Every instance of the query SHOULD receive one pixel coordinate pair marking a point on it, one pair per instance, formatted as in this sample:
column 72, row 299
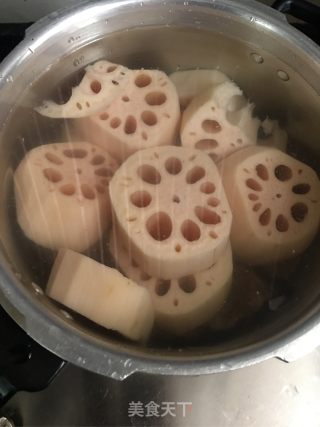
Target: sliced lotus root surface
column 102, row 83
column 190, row 83
column 219, row 121
column 171, row 210
column 146, row 115
column 62, row 194
column 275, row 203
column 271, row 134
column 183, row 304
column 101, row 294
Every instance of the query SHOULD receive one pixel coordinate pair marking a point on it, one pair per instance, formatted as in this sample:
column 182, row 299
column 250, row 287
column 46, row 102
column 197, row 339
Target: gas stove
column 39, row 389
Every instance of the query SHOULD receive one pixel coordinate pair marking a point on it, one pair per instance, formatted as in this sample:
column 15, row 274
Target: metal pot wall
column 277, row 67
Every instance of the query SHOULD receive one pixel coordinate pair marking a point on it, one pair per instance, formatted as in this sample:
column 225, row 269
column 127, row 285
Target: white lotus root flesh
column 101, row 294
column 183, row 304
column 190, row 83
column 275, row 203
column 273, row 135
column 62, row 194
column 171, row 211
column 219, row 121
column 147, row 114
column 102, row 83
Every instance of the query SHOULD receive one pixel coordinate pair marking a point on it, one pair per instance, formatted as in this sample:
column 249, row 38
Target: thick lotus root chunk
column 275, row 203
column 146, row 114
column 191, row 83
column 171, row 211
column 101, row 294
column 62, row 194
column 219, row 121
column 181, row 305
column 101, row 84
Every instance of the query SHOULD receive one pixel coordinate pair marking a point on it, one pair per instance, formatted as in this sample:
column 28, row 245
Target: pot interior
column 274, row 73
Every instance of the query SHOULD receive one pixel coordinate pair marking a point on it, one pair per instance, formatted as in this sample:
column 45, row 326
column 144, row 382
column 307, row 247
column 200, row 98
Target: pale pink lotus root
column 275, row 201
column 62, row 194
column 146, row 114
column 170, row 210
column 183, row 304
column 219, row 121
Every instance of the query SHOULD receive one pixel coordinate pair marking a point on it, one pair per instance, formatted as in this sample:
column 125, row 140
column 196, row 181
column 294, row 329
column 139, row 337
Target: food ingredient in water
column 170, row 211
column 190, row 83
column 219, row 121
column 62, row 194
column 146, row 114
column 102, row 294
column 102, row 83
column 275, row 200
column 183, row 304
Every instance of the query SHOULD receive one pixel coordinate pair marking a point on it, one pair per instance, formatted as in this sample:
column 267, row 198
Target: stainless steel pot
column 279, row 70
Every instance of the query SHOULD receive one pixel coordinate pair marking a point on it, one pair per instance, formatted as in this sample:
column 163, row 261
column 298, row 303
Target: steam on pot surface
column 165, row 193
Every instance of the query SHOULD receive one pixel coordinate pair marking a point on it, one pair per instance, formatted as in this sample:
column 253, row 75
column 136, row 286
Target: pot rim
column 73, row 345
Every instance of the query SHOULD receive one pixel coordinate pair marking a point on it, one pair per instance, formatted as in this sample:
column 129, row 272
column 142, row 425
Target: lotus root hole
column 68, row 189
column 282, row 224
column 207, row 216
column 253, row 197
column 87, row 192
column 100, row 188
column 115, row 122
column 142, row 80
column 211, row 126
column 88, row 104
column 190, row 230
column 176, row 303
column 159, row 226
column 283, row 173
column 75, row 153
column 125, row 98
column 262, row 172
column 105, row 172
column 141, row 199
column 173, row 166
column 265, row 217
column 97, row 160
column 208, row 188
column 79, row 106
column 104, row 116
column 257, row 207
column 149, row 174
column 195, row 174
column 213, row 202
column 115, row 82
column 149, row 118
column 301, row 189
column 52, row 175
column 187, row 284
column 214, row 157
column 253, row 184
column 53, row 158
column 155, row 98
column 144, row 276
column 130, row 125
column 162, row 287
column 299, row 211
column 176, row 199
column 206, row 144
column 177, row 248
column 95, row 86
column 111, row 68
